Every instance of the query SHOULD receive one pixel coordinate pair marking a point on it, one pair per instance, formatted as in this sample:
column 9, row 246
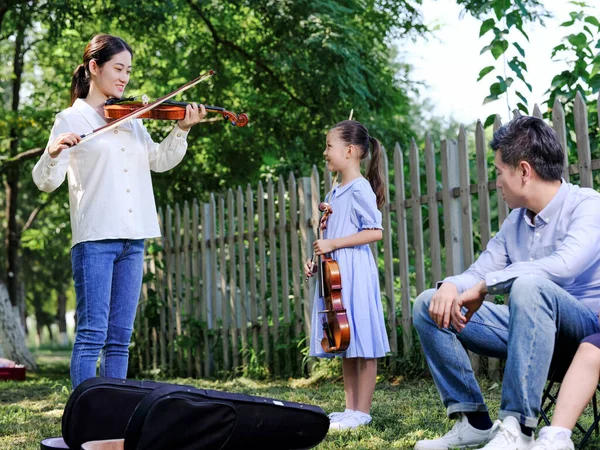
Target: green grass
column 403, row 411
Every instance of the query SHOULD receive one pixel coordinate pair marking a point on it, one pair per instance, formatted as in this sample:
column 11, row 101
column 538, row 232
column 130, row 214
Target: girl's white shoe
column 350, row 421
column 554, row 438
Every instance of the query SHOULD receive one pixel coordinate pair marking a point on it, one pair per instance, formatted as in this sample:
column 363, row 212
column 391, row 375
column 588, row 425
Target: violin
column 167, row 110
column 336, row 328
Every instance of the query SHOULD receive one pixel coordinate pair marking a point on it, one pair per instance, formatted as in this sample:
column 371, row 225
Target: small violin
column 336, row 328
column 168, row 110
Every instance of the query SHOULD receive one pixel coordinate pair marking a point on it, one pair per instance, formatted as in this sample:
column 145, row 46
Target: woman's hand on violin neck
column 322, row 246
column 62, row 142
column 193, row 115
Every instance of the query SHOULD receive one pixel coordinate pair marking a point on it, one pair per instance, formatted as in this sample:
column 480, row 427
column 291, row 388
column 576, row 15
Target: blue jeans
column 108, row 280
column 540, row 318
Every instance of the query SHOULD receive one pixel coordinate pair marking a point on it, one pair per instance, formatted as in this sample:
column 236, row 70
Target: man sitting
column 546, row 257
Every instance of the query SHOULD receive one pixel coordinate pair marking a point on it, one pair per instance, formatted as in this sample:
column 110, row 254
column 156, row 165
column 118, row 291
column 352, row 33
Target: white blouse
column 110, row 187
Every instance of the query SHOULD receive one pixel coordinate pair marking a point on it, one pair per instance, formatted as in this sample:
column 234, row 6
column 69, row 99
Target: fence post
column 417, row 215
column 196, row 269
column 583, row 142
column 262, row 261
column 502, row 206
column 484, row 216
column 307, row 238
column 214, row 297
column 224, row 311
column 389, row 258
column 455, row 261
column 187, row 274
column 432, row 204
column 558, row 122
column 273, row 272
column 243, row 299
column 403, row 250
column 297, row 264
column 252, row 267
column 465, row 198
column 233, row 297
column 206, row 305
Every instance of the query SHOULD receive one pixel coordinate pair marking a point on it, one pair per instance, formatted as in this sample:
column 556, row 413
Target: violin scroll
column 240, row 120
column 326, row 209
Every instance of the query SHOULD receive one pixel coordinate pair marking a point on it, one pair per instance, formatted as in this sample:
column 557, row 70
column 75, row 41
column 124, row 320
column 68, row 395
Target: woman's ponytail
column 374, row 173
column 80, row 83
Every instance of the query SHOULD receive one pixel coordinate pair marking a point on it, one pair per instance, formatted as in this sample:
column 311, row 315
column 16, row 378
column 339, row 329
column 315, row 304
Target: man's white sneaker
column 552, row 438
column 506, row 435
column 350, row 421
column 462, row 435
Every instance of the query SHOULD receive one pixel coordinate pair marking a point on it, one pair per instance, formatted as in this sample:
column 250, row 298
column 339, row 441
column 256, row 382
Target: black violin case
column 162, row 416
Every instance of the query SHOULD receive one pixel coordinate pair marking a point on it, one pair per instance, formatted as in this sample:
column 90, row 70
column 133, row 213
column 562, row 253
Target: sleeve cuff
column 371, row 226
column 49, row 162
column 496, row 284
column 178, row 133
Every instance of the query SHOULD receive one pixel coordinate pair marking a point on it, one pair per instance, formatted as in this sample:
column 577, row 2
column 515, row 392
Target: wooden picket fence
column 224, row 288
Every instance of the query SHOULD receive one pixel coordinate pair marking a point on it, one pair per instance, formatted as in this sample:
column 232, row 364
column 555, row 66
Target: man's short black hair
column 527, row 138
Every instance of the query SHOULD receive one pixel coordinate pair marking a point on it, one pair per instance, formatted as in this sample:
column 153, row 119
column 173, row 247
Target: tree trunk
column 12, row 175
column 63, row 338
column 12, row 338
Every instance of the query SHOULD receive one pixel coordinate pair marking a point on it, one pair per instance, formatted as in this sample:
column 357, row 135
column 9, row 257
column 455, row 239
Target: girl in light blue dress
column 354, row 223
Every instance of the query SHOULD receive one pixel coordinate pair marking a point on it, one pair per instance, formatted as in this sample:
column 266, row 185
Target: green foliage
column 296, row 68
column 507, row 16
column 579, row 48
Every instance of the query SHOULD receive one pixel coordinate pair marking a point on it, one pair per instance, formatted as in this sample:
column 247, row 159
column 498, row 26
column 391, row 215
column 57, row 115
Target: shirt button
column 125, row 170
column 128, row 190
column 123, row 149
column 130, row 210
column 116, row 131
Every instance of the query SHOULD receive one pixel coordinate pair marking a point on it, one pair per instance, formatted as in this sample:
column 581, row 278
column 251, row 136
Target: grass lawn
column 403, row 411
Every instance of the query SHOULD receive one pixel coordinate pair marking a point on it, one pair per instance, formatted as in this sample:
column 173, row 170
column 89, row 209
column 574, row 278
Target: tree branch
column 218, row 39
column 19, row 158
column 35, row 212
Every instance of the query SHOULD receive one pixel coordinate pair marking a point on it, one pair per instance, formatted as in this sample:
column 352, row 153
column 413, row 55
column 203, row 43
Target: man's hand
column 441, row 304
column 471, row 299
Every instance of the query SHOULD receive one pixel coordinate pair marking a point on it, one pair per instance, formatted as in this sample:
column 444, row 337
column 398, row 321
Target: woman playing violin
column 111, row 203
column 354, row 223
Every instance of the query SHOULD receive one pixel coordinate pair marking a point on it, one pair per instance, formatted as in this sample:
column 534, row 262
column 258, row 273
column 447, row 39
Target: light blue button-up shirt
column 561, row 243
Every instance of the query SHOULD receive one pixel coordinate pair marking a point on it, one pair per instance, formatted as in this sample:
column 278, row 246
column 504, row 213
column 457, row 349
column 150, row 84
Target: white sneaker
column 351, row 421
column 549, row 440
column 507, row 436
column 336, row 416
column 462, row 435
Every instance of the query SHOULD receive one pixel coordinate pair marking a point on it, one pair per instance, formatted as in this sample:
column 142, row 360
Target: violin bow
column 135, row 114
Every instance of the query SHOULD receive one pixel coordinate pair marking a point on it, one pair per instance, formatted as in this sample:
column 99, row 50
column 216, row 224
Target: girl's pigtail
column 374, row 174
